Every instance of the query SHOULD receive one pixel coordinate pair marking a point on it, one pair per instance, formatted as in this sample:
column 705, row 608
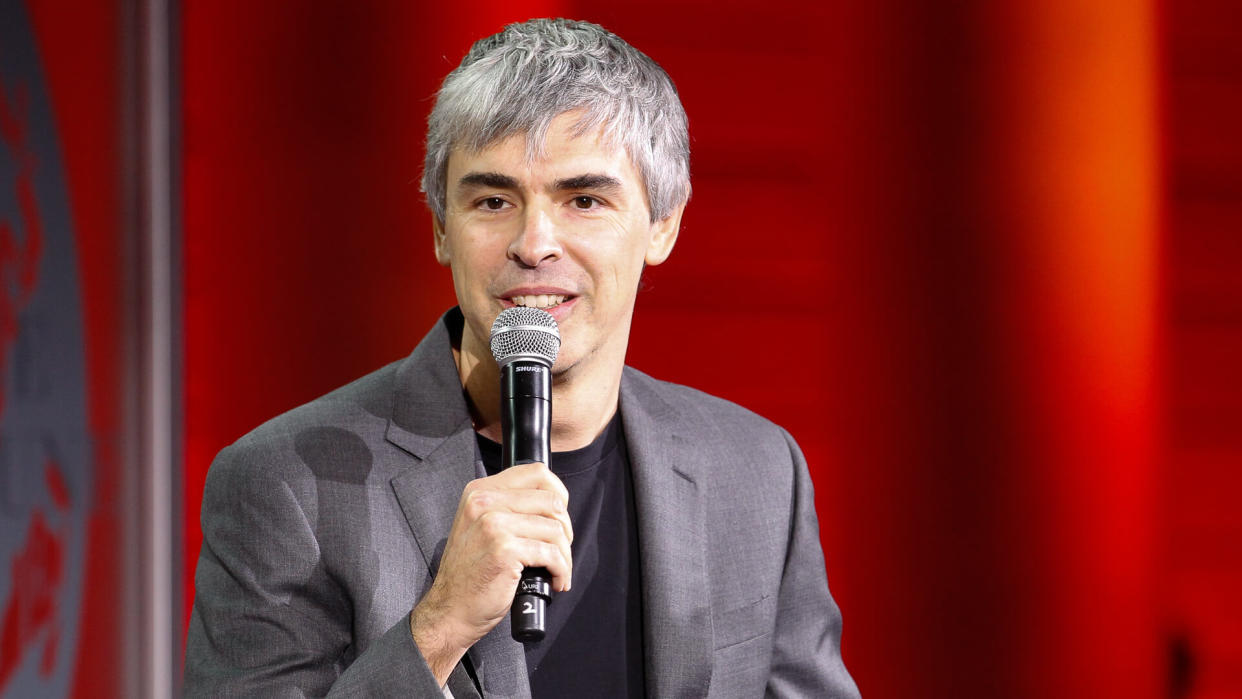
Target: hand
column 504, row 523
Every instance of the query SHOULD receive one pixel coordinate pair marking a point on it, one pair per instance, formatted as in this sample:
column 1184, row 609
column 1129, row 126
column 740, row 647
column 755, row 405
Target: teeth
column 538, row 300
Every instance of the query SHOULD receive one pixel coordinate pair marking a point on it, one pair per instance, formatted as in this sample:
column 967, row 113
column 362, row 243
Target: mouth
column 541, row 301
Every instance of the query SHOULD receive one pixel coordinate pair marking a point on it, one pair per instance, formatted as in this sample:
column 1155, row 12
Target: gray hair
column 520, row 79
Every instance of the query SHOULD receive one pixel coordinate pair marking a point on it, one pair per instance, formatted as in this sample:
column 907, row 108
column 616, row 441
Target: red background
column 988, row 254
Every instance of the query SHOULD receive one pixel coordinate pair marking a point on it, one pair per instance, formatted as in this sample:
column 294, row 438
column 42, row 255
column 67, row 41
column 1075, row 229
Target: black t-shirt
column 594, row 641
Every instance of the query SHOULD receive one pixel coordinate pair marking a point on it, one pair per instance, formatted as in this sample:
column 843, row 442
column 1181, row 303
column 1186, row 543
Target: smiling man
column 562, row 225
column 367, row 544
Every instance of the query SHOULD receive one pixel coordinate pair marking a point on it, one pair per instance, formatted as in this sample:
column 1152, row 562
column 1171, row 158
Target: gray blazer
column 323, row 527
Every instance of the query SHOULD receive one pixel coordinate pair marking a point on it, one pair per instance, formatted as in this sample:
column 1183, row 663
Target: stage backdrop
column 937, row 227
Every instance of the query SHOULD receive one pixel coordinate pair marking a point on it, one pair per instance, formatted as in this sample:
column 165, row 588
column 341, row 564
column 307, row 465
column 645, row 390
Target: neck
column 580, row 409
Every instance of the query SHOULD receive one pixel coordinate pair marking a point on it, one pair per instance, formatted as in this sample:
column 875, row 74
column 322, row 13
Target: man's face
column 569, row 233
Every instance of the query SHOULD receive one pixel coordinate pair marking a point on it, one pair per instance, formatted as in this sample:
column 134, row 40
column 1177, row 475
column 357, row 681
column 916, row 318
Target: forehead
column 562, row 153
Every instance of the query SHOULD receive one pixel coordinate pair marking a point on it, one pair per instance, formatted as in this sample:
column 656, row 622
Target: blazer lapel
column 430, row 420
column 672, row 542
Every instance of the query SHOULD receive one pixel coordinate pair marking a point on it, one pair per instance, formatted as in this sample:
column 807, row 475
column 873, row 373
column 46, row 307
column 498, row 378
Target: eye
column 492, row 203
column 585, row 202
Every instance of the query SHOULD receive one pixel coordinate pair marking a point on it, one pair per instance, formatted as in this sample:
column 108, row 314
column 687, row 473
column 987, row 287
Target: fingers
column 520, row 514
column 539, row 503
column 534, row 476
column 527, row 489
column 529, row 541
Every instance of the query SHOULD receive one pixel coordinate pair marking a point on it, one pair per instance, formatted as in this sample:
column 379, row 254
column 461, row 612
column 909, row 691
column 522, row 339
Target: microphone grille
column 525, row 333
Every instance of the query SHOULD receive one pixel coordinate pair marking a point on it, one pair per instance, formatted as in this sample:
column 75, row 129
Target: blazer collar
column 672, row 540
column 431, row 421
column 428, row 403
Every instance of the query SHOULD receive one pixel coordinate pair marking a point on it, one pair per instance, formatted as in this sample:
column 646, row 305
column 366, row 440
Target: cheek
column 472, row 263
column 617, row 251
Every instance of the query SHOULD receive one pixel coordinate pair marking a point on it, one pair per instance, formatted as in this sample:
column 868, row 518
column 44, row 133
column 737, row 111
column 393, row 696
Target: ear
column 664, row 236
column 442, row 251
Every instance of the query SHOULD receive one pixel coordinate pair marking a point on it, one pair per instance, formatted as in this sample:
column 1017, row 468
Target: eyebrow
column 496, row 180
column 589, row 181
column 488, row 179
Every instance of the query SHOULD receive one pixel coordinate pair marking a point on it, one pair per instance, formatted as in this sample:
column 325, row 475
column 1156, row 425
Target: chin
column 564, row 367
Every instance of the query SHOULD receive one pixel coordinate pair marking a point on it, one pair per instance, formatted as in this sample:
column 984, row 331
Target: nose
column 537, row 242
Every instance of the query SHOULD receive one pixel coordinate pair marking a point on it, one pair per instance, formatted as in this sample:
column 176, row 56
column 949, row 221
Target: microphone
column 525, row 342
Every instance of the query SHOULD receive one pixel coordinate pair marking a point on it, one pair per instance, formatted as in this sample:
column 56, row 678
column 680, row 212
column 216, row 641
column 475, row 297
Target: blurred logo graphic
column 44, row 466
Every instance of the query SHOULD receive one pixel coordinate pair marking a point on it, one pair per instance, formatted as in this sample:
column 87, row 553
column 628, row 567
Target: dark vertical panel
column 1202, row 569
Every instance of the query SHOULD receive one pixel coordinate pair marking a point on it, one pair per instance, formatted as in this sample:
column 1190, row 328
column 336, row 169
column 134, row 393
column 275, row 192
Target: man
column 367, row 543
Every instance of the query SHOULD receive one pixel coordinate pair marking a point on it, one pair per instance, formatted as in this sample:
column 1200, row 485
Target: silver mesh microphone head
column 525, row 333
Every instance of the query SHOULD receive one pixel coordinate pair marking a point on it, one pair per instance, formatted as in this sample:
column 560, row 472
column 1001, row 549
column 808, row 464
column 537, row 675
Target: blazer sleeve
column 806, row 648
column 268, row 619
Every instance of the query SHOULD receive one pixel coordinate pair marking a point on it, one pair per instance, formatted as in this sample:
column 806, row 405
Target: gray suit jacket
column 323, row 527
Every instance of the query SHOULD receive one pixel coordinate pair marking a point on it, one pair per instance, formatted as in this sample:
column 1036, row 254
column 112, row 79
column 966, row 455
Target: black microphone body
column 525, row 342
column 526, row 424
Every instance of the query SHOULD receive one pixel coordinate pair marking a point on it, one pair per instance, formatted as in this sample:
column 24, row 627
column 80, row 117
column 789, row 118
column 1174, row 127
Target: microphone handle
column 526, row 424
